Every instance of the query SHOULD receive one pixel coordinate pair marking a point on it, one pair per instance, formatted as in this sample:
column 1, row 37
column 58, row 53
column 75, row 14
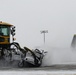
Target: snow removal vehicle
column 29, row 58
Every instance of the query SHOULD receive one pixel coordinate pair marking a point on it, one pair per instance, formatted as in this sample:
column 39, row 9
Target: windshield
column 4, row 31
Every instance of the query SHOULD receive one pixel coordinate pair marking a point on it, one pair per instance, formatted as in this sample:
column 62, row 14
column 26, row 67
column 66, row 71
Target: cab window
column 4, row 31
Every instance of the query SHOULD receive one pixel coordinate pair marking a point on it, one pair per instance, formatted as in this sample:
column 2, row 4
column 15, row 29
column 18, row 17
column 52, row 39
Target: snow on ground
column 38, row 72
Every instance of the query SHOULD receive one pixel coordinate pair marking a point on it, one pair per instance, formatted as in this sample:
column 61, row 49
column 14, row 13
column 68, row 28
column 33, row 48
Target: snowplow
column 28, row 57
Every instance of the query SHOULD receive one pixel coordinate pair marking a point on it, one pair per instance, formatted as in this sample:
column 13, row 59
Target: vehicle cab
column 5, row 30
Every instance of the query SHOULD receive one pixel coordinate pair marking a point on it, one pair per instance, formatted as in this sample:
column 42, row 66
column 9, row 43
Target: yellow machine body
column 5, row 29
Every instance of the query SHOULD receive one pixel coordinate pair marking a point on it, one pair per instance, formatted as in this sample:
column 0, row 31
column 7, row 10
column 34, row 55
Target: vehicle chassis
column 16, row 47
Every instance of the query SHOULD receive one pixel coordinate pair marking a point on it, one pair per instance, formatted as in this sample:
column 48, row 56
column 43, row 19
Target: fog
column 32, row 16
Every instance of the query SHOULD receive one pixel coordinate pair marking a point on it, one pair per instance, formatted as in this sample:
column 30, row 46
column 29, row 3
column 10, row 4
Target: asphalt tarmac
column 41, row 68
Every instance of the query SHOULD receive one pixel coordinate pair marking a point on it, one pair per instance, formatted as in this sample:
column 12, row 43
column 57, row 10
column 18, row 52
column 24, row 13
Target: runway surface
column 42, row 68
column 13, row 65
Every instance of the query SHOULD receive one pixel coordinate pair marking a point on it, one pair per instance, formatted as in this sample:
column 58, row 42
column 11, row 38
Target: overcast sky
column 32, row 16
